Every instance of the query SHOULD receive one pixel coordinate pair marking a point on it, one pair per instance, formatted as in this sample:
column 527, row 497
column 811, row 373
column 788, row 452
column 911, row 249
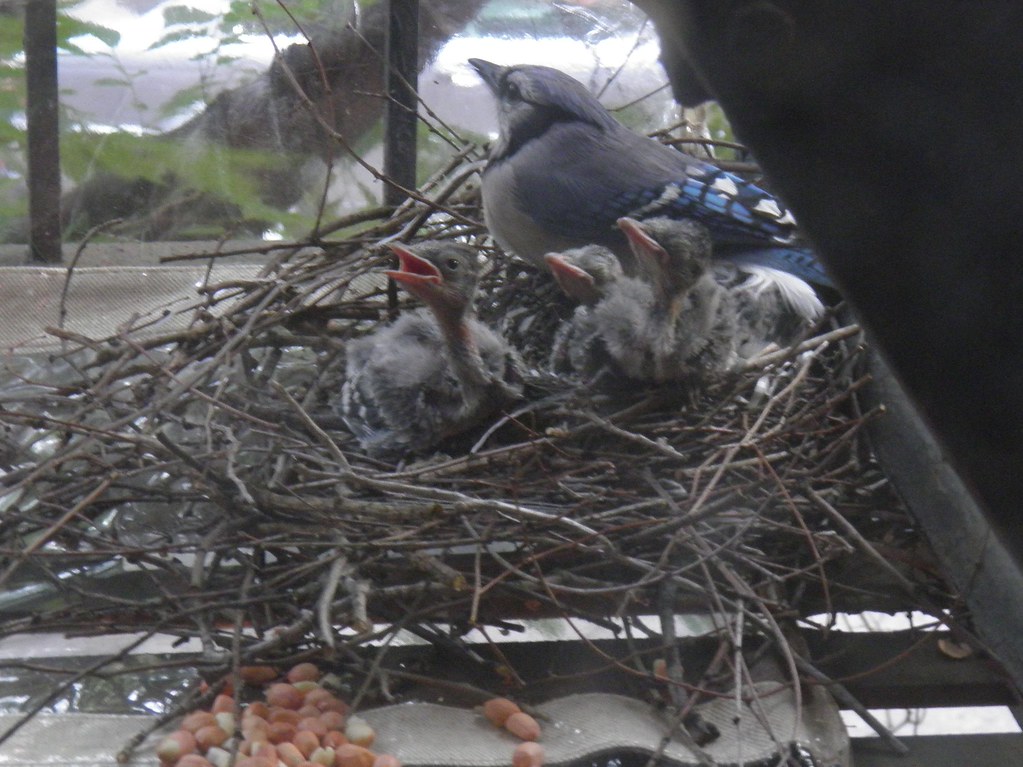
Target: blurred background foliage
column 165, row 129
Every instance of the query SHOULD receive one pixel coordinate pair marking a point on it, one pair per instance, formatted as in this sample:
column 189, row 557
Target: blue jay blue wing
column 600, row 176
column 734, row 210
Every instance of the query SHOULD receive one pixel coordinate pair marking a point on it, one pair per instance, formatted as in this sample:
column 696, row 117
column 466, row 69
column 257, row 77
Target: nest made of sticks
column 207, row 470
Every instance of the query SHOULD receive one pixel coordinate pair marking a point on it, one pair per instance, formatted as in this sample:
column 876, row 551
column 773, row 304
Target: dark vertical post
column 402, row 74
column 43, row 141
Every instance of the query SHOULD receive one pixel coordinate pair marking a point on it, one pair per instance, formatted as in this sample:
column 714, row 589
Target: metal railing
column 44, row 184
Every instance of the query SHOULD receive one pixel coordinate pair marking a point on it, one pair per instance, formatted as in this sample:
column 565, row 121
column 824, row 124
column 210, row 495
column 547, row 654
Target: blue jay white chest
column 510, row 223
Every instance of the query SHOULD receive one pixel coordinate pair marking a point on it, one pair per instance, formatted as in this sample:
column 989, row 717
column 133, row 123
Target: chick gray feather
column 435, row 372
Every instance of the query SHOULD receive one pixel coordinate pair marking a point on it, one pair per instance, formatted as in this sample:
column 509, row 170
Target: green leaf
column 12, row 36
column 68, row 27
column 13, row 205
column 182, row 100
column 177, row 36
column 116, row 81
column 72, row 48
column 12, row 86
column 231, row 174
column 184, row 14
column 8, row 133
column 240, row 14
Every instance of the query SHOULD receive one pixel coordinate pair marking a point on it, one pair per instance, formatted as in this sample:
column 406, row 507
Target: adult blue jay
column 563, row 171
column 435, row 372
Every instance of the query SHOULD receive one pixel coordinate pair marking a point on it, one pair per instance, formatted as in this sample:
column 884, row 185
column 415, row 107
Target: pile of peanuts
column 505, row 713
column 301, row 723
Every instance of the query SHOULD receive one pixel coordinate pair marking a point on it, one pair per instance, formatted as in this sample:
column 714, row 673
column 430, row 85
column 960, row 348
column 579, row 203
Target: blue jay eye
column 513, row 92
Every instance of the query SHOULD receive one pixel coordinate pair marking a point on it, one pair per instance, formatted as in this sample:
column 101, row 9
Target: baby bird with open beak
column 685, row 317
column 435, row 372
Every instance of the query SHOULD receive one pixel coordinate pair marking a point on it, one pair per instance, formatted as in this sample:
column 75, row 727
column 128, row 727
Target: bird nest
column 200, row 483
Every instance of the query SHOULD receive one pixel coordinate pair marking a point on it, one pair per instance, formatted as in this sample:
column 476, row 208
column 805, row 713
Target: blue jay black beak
column 491, row 73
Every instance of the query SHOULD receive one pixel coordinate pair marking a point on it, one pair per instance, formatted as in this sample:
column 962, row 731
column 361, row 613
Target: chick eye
column 452, row 264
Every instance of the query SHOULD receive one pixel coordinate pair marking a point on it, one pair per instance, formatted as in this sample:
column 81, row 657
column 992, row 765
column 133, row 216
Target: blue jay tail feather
column 800, row 262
